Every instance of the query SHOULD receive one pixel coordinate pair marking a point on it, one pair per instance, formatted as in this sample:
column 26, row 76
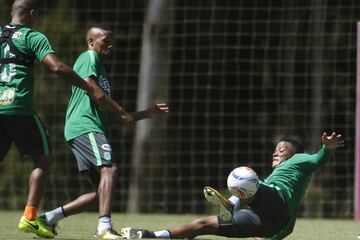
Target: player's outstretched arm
column 90, row 86
column 66, row 73
column 333, row 141
column 156, row 110
column 320, row 158
column 107, row 102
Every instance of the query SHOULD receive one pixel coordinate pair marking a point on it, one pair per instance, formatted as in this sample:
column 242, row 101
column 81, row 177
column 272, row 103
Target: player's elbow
column 100, row 98
column 59, row 68
column 55, row 65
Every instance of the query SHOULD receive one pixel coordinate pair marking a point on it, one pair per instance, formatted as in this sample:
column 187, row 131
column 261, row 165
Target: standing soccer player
column 19, row 122
column 271, row 212
column 85, row 130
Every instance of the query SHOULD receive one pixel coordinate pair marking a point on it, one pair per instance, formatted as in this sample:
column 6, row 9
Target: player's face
column 283, row 151
column 103, row 45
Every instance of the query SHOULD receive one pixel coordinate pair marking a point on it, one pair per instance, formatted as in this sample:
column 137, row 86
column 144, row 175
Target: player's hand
column 126, row 118
column 333, row 141
column 158, row 110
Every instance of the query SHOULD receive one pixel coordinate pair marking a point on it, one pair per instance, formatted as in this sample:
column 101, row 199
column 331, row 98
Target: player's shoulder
column 19, row 31
column 300, row 156
column 87, row 58
column 93, row 55
column 30, row 35
column 34, row 33
column 90, row 56
column 299, row 159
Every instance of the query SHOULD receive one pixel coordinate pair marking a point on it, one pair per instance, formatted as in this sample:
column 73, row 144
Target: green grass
column 83, row 226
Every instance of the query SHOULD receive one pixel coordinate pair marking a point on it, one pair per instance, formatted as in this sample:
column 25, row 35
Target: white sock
column 104, row 224
column 235, row 200
column 162, row 234
column 52, row 217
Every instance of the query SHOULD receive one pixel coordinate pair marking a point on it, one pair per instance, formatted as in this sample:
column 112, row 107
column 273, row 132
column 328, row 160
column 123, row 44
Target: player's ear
column 90, row 42
column 31, row 12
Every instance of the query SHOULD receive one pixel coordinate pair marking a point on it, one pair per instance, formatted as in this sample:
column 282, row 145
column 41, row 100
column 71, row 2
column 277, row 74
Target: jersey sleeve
column 39, row 44
column 86, row 65
column 318, row 159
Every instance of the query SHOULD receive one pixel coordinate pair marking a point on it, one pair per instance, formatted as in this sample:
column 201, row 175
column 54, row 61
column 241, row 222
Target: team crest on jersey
column 104, row 84
column 106, row 147
column 107, row 156
column 16, row 35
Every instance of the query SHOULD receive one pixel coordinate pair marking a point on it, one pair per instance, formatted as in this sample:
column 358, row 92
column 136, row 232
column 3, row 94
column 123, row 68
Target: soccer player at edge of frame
column 85, row 129
column 20, row 45
column 271, row 212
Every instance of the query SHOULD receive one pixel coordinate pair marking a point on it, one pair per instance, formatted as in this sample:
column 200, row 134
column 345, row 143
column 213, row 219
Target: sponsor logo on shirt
column 7, row 96
column 16, row 35
column 104, row 84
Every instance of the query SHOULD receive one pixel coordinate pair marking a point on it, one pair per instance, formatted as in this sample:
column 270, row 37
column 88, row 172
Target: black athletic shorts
column 27, row 132
column 266, row 216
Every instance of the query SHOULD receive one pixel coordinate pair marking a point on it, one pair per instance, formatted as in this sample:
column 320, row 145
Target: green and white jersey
column 17, row 81
column 82, row 115
column 292, row 178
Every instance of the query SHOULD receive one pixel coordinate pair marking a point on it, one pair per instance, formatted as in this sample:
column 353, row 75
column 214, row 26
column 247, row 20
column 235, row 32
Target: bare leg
column 202, row 226
column 106, row 188
column 38, row 179
column 80, row 204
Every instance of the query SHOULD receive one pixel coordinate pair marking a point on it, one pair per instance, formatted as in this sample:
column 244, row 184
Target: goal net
column 238, row 75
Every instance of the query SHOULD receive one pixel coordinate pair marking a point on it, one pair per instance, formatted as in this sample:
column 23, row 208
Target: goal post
column 357, row 132
column 153, row 84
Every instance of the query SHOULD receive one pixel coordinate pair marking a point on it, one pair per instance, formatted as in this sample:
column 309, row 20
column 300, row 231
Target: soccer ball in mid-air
column 243, row 182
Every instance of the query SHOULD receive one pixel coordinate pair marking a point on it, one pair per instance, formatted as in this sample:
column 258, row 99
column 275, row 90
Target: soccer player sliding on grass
column 271, row 212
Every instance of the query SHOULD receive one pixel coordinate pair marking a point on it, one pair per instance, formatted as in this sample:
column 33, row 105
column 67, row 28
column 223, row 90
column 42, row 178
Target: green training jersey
column 292, row 178
column 82, row 115
column 17, row 81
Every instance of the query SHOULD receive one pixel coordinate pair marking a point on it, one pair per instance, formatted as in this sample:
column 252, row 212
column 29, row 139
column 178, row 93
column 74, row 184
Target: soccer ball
column 243, row 182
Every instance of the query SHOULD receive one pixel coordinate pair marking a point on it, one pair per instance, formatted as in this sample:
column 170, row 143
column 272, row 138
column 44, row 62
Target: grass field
column 83, row 226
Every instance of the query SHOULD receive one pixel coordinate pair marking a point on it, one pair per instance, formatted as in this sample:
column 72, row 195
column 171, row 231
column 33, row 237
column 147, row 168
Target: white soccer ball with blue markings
column 243, row 182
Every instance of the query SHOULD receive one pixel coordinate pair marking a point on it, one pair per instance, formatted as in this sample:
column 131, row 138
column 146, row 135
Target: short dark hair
column 103, row 28
column 106, row 28
column 22, row 6
column 296, row 142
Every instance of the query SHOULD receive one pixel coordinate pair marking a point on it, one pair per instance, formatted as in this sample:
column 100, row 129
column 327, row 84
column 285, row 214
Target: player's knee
column 42, row 162
column 207, row 225
column 92, row 177
column 109, row 171
column 200, row 223
column 114, row 170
